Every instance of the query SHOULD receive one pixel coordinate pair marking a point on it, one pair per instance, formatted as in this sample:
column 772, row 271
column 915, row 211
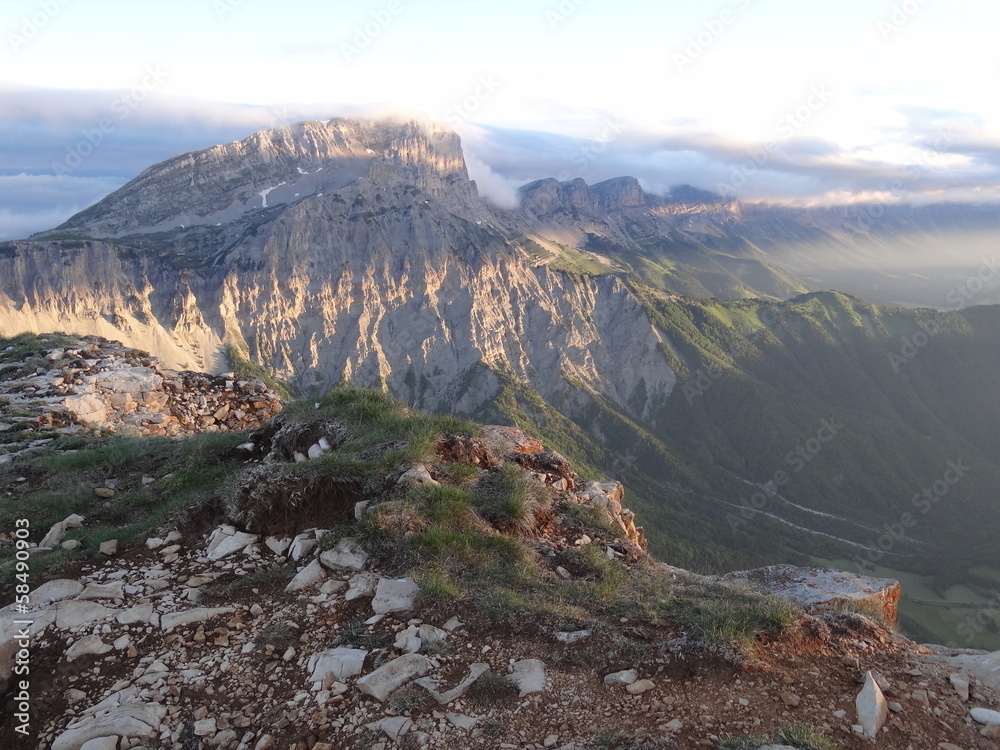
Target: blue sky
column 804, row 101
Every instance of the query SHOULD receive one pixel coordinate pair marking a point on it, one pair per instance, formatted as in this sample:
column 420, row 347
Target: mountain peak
column 279, row 166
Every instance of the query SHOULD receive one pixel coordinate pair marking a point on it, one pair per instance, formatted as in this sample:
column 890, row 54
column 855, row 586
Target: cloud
column 928, row 155
column 494, row 188
column 32, row 203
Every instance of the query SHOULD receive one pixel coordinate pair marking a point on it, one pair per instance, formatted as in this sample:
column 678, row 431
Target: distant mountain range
column 686, row 344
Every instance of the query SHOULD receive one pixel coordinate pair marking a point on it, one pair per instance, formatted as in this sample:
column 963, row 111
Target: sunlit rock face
column 336, row 250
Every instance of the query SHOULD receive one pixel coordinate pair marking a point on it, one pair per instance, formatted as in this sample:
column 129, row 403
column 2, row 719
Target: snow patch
column 263, row 193
column 301, row 170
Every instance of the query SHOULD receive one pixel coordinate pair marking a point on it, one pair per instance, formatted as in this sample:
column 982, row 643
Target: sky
column 795, row 101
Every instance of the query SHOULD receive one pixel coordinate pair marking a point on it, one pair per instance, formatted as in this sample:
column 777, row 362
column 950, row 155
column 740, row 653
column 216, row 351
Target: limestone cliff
column 330, row 250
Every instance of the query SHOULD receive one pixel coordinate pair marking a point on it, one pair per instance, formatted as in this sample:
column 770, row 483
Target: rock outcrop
column 96, row 384
column 810, row 587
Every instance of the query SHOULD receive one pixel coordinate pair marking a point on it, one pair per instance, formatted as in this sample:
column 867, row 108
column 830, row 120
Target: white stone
column 205, row 727
column 332, row 586
column 76, row 614
column 278, row 546
column 625, row 677
column 58, row 531
column 985, row 716
column 461, row 721
column 361, row 585
column 640, row 686
column 528, row 675
column 961, row 685
column 87, row 646
column 190, row 616
column 310, row 575
column 114, row 590
column 394, row 595
column 134, row 720
column 139, row 614
column 226, row 544
column 389, row 677
column 101, row 743
column 338, row 663
column 361, row 507
column 347, row 554
column 394, row 727
column 872, row 708
column 315, row 450
column 476, row 670
column 302, row 545
column 54, row 591
column 109, row 547
column 984, row 667
column 572, row 637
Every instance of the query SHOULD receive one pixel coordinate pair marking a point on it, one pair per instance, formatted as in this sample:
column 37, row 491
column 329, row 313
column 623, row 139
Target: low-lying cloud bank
column 61, row 151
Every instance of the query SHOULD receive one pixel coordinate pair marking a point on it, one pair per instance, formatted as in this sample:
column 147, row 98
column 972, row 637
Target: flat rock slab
column 347, row 554
column 76, row 614
column 54, row 591
column 394, row 595
column 140, row 614
column 809, row 587
column 90, row 645
column 114, row 590
column 381, row 683
column 984, row 667
column 528, row 675
column 135, row 720
column 190, row 616
column 337, row 663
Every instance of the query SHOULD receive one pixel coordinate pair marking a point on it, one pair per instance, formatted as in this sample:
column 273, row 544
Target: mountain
column 671, row 342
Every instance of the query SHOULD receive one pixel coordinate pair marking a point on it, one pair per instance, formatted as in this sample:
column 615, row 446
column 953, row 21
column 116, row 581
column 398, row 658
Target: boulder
column 361, row 585
column 809, row 587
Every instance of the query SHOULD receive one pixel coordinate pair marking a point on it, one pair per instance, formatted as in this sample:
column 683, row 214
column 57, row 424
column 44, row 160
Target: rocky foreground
column 339, row 594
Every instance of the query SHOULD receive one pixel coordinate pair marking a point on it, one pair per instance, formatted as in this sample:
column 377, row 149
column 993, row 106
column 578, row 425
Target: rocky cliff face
column 371, row 259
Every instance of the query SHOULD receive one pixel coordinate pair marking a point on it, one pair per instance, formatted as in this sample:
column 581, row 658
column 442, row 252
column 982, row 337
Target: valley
column 688, row 346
